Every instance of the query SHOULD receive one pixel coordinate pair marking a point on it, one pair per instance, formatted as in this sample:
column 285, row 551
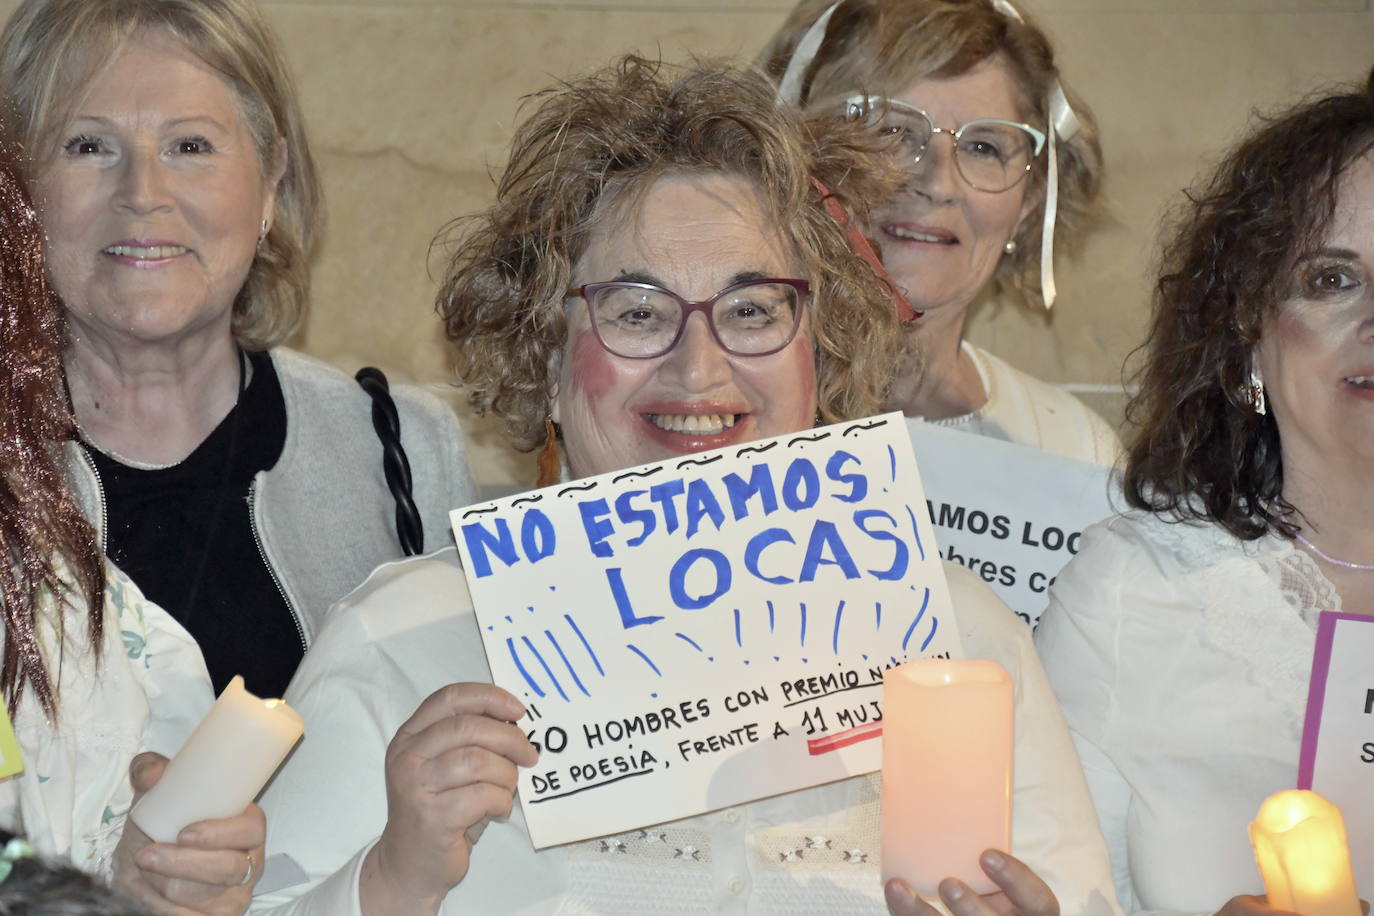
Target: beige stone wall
column 410, row 105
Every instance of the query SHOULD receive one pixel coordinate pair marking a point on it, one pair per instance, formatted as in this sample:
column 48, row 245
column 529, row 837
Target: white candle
column 947, row 745
column 223, row 765
column 1303, row 856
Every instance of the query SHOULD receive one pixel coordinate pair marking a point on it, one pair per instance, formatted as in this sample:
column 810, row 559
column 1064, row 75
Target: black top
column 185, row 534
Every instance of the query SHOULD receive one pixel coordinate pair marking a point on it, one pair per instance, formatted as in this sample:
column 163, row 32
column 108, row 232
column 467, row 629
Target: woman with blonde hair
column 1003, row 169
column 239, row 483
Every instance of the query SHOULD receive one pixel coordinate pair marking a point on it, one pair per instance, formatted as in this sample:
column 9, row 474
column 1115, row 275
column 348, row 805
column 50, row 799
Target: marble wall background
column 411, row 102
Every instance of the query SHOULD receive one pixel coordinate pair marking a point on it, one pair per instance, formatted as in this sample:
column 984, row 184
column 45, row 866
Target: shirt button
column 732, row 816
column 736, row 885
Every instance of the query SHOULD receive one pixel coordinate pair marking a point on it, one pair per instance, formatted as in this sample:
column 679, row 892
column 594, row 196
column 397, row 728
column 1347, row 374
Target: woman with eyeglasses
column 658, row 276
column 970, row 95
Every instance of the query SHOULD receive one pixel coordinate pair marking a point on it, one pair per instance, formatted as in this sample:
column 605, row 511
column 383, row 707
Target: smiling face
column 1316, row 351
column 941, row 239
column 694, row 235
column 153, row 195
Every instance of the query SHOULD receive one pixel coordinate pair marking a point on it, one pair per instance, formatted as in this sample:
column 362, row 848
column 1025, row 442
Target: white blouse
column 1181, row 657
column 148, row 692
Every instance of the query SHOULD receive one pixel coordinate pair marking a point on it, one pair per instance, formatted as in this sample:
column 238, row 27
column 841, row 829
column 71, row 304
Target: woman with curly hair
column 92, row 673
column 1180, row 638
column 659, row 275
column 982, row 209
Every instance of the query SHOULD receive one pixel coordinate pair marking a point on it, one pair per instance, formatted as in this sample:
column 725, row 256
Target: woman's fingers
column 217, row 867
column 463, row 699
column 902, row 900
column 469, row 730
column 1024, row 889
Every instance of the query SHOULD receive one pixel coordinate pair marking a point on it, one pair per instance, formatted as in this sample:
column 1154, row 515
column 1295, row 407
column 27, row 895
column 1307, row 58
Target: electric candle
column 947, row 744
column 1303, row 857
column 223, row 765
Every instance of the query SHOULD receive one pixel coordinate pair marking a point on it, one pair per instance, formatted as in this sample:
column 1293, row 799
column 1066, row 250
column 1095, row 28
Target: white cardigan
column 1181, row 657
column 1023, row 409
column 149, row 692
column 409, row 629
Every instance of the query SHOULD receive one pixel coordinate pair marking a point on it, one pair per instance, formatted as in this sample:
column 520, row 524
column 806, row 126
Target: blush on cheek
column 593, row 369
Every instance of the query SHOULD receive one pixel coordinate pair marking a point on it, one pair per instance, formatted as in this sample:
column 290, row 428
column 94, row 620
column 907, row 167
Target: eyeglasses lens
column 638, row 321
column 991, row 156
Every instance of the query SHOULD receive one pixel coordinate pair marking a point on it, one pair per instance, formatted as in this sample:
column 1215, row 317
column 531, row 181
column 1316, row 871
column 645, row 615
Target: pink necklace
column 1368, row 567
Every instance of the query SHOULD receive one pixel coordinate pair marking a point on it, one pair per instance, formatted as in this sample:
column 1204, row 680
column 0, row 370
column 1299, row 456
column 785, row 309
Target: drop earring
column 550, row 468
column 1010, row 246
column 262, row 235
column 1253, row 393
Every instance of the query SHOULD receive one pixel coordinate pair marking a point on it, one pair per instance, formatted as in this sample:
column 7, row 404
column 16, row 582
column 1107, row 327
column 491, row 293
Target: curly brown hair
column 1232, row 255
column 883, row 47
column 50, row 557
column 591, row 142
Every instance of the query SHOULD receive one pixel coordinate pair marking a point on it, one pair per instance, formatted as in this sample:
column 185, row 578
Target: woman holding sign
column 635, row 199
column 977, row 216
column 1180, row 639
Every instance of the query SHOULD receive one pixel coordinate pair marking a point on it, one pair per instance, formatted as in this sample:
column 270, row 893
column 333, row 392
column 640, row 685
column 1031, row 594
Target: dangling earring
column 1010, row 246
column 550, row 468
column 1253, row 393
column 262, row 236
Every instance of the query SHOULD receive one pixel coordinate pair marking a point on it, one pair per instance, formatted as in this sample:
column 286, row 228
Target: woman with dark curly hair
column 1002, row 168
column 1180, row 638
column 658, row 276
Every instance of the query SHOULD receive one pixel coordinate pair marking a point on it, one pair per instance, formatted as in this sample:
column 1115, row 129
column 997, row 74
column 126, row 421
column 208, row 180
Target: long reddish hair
column 51, row 559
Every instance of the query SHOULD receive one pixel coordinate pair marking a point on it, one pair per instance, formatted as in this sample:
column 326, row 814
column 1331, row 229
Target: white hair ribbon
column 1064, row 125
column 790, row 86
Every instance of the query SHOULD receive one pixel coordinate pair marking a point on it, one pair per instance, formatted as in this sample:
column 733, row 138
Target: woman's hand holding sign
column 450, row 769
column 1022, row 893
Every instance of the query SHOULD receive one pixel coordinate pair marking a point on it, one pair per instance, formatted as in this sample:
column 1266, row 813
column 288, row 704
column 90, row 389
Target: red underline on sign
column 818, row 746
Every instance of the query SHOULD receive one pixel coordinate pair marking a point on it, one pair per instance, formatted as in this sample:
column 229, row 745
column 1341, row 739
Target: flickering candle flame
column 947, row 746
column 1303, row 857
column 223, row 765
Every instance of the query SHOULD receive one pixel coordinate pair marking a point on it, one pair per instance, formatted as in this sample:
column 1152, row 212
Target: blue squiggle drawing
column 690, row 641
column 835, row 638
column 934, row 625
column 567, row 664
column 515, row 657
column 803, row 623
column 877, row 615
column 770, row 615
column 919, row 614
column 737, row 635
column 648, row 661
column 916, row 532
column 892, row 463
column 547, row 670
column 586, row 645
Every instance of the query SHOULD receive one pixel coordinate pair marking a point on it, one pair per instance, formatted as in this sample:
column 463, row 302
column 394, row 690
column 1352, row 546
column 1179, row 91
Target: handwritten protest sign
column 1337, row 758
column 709, row 630
column 1011, row 513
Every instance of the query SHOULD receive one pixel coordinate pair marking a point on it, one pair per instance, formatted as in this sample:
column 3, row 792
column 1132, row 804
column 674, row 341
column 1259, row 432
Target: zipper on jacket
column 257, row 539
column 99, row 497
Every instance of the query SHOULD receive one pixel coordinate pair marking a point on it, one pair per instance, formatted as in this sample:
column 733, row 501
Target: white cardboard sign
column 709, row 630
column 1011, row 513
column 1337, row 758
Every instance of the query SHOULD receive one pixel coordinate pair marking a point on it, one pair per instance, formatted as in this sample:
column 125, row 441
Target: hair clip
column 17, row 848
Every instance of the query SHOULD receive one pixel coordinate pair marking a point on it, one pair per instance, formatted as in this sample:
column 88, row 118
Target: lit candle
column 1300, row 845
column 223, row 765
column 947, row 744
